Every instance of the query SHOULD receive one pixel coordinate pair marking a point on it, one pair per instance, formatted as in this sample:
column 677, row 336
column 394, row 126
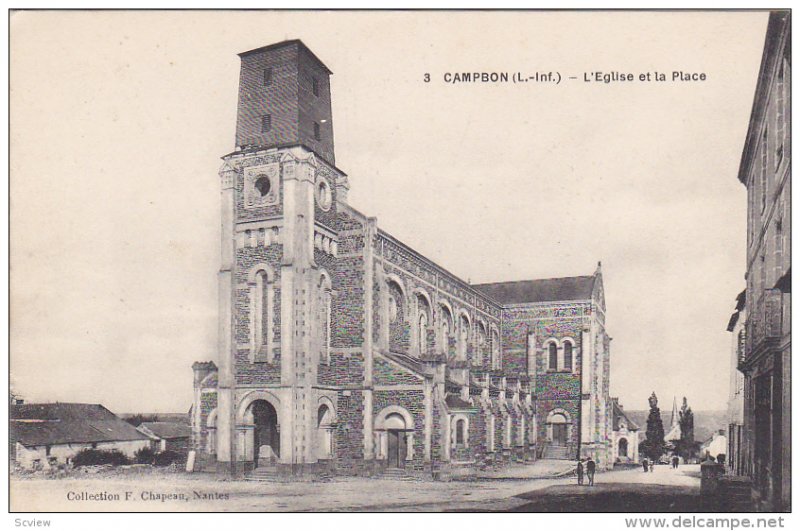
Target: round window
column 263, row 185
column 324, row 196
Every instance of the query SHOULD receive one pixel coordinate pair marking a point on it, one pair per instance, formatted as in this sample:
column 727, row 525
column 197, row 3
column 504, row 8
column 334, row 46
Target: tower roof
column 285, row 44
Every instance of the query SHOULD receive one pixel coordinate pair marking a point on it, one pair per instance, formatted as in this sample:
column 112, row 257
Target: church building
column 342, row 349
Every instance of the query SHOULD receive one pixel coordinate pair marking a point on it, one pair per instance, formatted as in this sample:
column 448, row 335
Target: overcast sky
column 119, row 120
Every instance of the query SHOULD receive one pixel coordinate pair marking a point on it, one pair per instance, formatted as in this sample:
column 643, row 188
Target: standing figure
column 590, row 467
column 580, row 472
column 651, row 465
column 644, row 464
column 675, row 461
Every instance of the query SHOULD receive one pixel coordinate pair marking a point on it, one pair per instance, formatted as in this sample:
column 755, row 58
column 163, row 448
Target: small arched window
column 460, row 425
column 568, row 356
column 553, row 357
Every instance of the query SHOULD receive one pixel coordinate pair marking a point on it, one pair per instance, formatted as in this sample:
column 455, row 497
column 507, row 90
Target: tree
column 686, row 446
column 138, row 418
column 653, row 445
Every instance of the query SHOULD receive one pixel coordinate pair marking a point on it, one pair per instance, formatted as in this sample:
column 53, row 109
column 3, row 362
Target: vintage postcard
column 404, row 261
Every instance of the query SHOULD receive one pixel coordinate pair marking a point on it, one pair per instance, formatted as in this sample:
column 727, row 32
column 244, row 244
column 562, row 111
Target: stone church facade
column 343, row 349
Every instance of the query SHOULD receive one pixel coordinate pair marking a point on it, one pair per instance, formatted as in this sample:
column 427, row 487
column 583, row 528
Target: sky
column 119, row 120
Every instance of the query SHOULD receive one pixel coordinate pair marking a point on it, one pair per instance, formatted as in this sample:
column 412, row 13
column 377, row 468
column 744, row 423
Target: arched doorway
column 558, row 427
column 324, row 432
column 623, row 448
column 395, row 426
column 266, row 431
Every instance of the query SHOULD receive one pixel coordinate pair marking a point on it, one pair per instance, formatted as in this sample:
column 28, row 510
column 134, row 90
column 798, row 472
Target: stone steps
column 396, row 474
column 263, row 474
column 555, row 452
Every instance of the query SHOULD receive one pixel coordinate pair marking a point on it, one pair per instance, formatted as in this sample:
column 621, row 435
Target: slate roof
column 406, row 361
column 456, row 402
column 542, row 290
column 65, row 423
column 619, row 413
column 167, row 430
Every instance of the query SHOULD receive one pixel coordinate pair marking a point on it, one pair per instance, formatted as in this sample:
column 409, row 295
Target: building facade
column 765, row 171
column 341, row 348
column 737, row 460
column 625, row 440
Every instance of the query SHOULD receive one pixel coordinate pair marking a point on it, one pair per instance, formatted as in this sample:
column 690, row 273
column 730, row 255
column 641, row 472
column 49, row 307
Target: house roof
column 64, row 423
column 167, row 430
column 619, row 414
column 542, row 290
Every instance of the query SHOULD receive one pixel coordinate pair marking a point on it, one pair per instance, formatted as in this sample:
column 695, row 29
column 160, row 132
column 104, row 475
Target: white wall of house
column 28, row 455
column 718, row 445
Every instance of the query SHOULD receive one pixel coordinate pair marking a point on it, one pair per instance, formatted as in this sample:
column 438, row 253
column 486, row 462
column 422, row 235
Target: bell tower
column 280, row 195
column 285, row 100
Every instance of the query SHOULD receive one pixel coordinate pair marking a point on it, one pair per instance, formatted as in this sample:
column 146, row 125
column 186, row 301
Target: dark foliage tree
column 138, row 418
column 686, row 447
column 653, row 446
column 90, row 456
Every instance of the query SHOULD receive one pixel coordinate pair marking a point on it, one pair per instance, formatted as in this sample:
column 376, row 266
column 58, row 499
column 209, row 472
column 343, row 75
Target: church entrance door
column 560, row 434
column 395, row 426
column 266, row 434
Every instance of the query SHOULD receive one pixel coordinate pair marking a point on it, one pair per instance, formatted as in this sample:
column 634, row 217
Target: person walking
column 590, row 468
column 651, row 465
column 580, row 471
column 644, row 464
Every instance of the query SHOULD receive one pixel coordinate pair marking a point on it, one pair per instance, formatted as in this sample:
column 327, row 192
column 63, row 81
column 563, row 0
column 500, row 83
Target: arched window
column 460, row 425
column 463, row 337
column 496, row 362
column 422, row 333
column 490, row 435
column 568, row 356
column 396, row 318
column 325, row 303
column 422, row 326
column 553, row 357
column 478, row 355
column 261, row 317
column 445, row 326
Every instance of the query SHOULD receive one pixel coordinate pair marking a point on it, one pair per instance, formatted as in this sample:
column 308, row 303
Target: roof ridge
column 531, row 280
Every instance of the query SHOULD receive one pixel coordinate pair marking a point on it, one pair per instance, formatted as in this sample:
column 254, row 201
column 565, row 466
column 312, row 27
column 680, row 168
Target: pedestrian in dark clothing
column 580, row 472
column 590, row 467
column 644, row 464
column 675, row 461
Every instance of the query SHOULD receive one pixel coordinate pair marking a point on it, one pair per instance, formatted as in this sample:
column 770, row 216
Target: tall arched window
column 325, row 303
column 445, row 327
column 496, row 362
column 460, row 424
column 422, row 326
column 553, row 357
column 568, row 356
column 478, row 355
column 261, row 317
column 463, row 337
column 395, row 319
